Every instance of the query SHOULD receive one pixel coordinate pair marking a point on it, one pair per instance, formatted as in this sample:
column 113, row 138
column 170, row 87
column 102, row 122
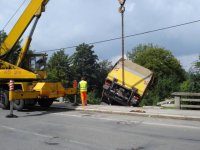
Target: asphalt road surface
column 59, row 129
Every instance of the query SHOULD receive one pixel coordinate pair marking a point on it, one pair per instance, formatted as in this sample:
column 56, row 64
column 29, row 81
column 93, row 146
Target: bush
column 92, row 99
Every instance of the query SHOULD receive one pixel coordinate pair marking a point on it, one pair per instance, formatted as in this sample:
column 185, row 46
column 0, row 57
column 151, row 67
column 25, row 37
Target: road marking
column 80, row 143
column 171, row 125
column 25, row 132
column 129, row 121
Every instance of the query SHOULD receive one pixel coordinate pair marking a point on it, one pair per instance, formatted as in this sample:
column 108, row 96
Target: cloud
column 68, row 23
column 188, row 61
column 130, row 7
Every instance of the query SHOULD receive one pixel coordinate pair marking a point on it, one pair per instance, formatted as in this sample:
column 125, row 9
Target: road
column 61, row 129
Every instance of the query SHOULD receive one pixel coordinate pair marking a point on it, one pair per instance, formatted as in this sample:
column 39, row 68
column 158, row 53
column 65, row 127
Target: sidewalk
column 139, row 111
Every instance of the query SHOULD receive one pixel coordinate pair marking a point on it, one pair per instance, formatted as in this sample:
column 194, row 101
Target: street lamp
column 122, row 2
column 122, row 10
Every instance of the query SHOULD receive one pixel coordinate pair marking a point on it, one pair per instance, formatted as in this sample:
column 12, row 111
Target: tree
column 85, row 64
column 168, row 73
column 2, row 36
column 104, row 67
column 192, row 84
column 197, row 65
column 59, row 67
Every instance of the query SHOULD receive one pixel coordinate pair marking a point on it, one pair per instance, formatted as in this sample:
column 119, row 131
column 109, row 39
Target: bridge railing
column 186, row 100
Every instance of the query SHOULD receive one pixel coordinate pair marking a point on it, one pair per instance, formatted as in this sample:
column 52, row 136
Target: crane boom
column 35, row 8
column 30, row 84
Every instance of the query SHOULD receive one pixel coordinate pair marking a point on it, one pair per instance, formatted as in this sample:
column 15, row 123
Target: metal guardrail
column 182, row 100
column 186, row 97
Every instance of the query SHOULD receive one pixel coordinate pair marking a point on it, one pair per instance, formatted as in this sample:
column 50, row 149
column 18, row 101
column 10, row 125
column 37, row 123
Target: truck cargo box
column 136, row 81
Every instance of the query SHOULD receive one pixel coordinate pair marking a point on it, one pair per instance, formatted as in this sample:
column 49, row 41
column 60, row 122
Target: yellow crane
column 30, row 86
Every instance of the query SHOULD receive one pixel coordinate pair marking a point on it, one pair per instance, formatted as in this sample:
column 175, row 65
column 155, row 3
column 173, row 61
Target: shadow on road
column 39, row 111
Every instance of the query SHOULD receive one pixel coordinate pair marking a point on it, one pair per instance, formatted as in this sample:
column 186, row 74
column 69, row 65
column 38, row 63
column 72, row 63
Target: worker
column 83, row 91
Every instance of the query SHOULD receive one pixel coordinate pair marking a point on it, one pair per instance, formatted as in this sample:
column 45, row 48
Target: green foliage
column 184, row 87
column 159, row 60
column 2, row 36
column 192, row 84
column 151, row 98
column 105, row 67
column 197, row 65
column 93, row 99
column 59, row 67
column 85, row 63
column 168, row 73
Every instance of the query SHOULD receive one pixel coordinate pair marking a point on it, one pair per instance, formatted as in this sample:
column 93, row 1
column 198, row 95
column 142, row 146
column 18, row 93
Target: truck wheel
column 31, row 102
column 134, row 103
column 45, row 102
column 4, row 100
column 104, row 99
column 18, row 104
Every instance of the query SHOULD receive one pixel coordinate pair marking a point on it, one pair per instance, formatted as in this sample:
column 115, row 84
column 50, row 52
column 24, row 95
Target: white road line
column 80, row 143
column 135, row 122
column 171, row 125
column 64, row 114
column 25, row 132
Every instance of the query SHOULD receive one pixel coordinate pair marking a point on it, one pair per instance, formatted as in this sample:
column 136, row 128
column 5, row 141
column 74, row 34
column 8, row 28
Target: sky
column 67, row 23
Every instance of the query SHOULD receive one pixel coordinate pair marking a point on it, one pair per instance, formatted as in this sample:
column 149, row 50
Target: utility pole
column 122, row 10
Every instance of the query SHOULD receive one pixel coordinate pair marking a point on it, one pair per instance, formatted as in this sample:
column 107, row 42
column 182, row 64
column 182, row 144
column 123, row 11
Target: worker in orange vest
column 83, row 91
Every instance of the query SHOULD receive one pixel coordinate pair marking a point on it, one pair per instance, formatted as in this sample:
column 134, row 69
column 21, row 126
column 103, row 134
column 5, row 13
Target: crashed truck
column 129, row 88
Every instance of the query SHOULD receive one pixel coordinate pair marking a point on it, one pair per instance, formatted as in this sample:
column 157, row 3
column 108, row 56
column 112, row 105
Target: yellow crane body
column 35, row 7
column 30, row 87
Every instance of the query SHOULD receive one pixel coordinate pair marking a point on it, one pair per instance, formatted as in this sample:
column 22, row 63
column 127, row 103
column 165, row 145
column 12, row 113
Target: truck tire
column 45, row 102
column 104, row 99
column 18, row 104
column 4, row 100
column 134, row 103
column 31, row 102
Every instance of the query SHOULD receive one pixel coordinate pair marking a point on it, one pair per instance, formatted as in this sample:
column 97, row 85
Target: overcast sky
column 68, row 23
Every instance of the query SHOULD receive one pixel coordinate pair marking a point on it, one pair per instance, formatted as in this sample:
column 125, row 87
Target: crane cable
column 14, row 15
column 1, row 31
column 107, row 40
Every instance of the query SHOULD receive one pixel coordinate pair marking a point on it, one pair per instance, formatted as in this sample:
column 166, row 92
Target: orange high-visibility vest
column 83, row 86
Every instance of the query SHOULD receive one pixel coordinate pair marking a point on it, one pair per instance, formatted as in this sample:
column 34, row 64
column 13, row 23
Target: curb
column 143, row 114
column 180, row 117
